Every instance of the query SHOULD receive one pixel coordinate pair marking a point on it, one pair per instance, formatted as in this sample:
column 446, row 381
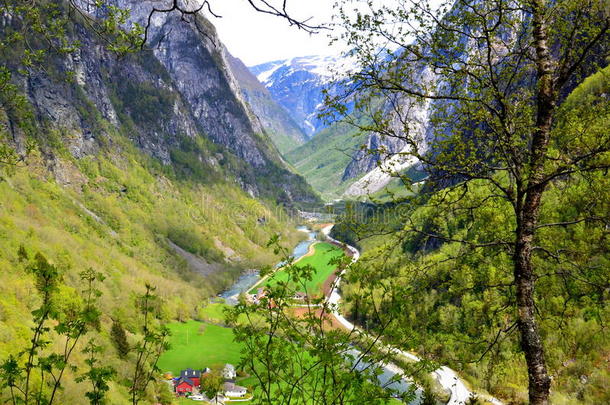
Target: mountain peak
column 297, row 84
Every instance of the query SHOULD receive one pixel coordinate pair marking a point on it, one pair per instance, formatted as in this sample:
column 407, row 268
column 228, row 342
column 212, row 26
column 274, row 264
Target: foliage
column 315, row 268
column 71, row 319
column 301, row 358
column 147, row 105
column 492, row 78
column 97, row 375
column 119, row 339
column 457, row 300
column 211, row 383
column 153, row 343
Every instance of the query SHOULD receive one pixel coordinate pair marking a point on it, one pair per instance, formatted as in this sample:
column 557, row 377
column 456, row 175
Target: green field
column 213, row 313
column 198, row 345
column 319, row 260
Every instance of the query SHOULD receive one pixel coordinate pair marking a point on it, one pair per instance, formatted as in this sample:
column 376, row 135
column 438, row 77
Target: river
column 245, row 282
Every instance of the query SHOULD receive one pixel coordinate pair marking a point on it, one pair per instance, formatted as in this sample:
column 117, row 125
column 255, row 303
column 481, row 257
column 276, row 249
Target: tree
column 211, row 383
column 302, row 358
column 494, row 76
column 97, row 375
column 153, row 343
column 119, row 338
column 71, row 322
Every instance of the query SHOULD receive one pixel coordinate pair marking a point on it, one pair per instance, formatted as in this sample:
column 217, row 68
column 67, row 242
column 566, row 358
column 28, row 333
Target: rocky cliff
column 277, row 122
column 178, row 91
column 297, row 84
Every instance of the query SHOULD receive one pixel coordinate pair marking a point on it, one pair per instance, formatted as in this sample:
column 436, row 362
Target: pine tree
column 119, row 338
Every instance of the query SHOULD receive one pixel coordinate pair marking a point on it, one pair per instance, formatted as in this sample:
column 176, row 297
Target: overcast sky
column 257, row 38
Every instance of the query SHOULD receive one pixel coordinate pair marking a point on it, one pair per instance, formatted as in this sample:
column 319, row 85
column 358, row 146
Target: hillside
column 323, row 159
column 146, row 170
column 456, row 300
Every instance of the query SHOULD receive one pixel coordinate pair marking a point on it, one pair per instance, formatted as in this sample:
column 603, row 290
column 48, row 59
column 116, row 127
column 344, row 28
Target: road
column 446, row 377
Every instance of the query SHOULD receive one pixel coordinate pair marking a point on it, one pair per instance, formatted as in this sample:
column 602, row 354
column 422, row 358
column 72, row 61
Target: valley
column 301, row 203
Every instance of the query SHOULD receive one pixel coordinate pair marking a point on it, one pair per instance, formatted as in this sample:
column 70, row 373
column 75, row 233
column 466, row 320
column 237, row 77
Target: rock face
column 375, row 170
column 297, row 84
column 178, row 90
column 277, row 122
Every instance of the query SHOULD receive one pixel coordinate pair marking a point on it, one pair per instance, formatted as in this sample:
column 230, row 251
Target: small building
column 193, row 375
column 299, row 295
column 228, row 373
column 235, row 391
column 184, row 385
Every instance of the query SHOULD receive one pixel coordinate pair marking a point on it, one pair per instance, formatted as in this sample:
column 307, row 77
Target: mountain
column 297, row 84
column 335, row 159
column 277, row 122
column 149, row 168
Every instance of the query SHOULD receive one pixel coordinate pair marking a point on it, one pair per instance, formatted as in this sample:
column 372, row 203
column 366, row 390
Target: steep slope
column 337, row 160
column 149, row 169
column 323, row 160
column 276, row 121
column 197, row 64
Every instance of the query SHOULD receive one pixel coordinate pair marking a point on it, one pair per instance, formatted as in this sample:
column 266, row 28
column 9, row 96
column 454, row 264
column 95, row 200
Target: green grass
column 198, row 345
column 319, row 260
column 322, row 160
column 213, row 313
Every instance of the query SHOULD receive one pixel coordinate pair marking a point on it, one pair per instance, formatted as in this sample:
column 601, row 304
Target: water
column 303, row 247
column 245, row 282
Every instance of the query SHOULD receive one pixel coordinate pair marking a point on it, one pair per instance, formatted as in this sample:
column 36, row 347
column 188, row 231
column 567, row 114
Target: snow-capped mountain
column 297, row 84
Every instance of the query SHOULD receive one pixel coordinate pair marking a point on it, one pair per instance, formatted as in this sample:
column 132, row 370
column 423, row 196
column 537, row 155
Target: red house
column 184, row 385
column 193, row 375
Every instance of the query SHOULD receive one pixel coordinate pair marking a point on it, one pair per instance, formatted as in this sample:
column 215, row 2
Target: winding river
column 247, row 280
column 446, row 377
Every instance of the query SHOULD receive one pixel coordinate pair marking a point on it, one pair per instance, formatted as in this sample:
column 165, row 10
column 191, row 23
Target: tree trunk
column 531, row 343
column 528, row 212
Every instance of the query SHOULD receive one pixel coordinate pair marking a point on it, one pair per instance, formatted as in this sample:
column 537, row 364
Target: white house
column 228, row 372
column 232, row 390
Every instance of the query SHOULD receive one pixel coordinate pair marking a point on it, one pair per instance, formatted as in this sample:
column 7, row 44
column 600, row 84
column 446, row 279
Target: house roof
column 228, row 386
column 190, row 373
column 185, row 380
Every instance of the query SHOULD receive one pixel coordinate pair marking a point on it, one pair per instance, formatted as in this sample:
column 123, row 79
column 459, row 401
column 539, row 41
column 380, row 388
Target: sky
column 256, row 38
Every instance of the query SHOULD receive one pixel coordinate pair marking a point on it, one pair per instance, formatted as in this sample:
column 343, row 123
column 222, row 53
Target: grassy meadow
column 198, row 345
column 319, row 260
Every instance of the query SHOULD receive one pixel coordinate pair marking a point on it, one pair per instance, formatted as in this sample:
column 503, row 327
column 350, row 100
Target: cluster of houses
column 189, row 382
column 262, row 293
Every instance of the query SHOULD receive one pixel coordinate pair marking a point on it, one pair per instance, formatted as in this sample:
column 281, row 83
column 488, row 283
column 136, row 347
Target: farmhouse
column 184, row 385
column 193, row 375
column 232, row 390
column 228, row 373
column 301, row 296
